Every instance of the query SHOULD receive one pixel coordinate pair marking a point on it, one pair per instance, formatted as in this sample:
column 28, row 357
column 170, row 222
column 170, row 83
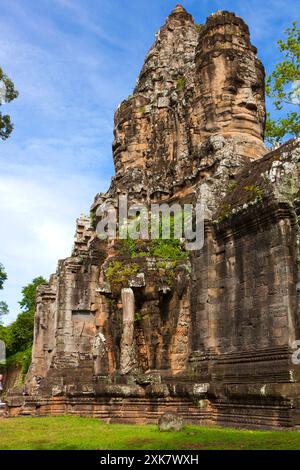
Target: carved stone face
column 245, row 82
column 232, row 89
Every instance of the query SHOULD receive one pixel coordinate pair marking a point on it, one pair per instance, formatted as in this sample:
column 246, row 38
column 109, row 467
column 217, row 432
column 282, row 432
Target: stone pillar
column 128, row 353
column 100, row 355
column 43, row 348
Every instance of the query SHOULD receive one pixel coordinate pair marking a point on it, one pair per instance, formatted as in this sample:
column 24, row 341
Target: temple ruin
column 126, row 335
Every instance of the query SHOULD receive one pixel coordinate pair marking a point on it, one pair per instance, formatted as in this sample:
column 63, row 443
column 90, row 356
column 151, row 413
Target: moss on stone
column 138, row 317
column 169, row 268
column 231, row 186
column 224, row 213
column 257, row 191
column 118, row 273
column 181, row 83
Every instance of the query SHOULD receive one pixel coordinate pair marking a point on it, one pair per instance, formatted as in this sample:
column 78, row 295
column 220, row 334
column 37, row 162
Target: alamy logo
column 160, row 221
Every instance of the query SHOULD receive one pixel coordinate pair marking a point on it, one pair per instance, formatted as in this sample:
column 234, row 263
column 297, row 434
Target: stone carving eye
column 255, row 87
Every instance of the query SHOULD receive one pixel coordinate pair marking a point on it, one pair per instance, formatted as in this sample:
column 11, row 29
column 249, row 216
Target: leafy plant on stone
column 119, row 273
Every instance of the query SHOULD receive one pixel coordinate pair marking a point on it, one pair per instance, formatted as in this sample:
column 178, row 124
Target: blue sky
column 73, row 62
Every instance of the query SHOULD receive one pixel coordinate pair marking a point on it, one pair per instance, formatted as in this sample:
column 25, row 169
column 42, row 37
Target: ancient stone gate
column 126, row 334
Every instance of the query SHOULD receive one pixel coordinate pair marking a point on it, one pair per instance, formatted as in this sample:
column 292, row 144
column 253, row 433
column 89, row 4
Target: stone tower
column 127, row 332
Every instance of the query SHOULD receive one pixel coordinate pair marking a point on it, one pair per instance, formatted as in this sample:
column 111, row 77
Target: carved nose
column 248, row 101
column 251, row 105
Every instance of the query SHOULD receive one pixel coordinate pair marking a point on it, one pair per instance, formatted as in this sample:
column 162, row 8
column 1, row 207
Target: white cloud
column 38, row 210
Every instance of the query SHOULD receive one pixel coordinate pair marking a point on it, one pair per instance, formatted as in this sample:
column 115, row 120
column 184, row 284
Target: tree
column 3, row 305
column 29, row 295
column 283, row 87
column 7, row 94
column 3, row 276
column 20, row 333
column 18, row 336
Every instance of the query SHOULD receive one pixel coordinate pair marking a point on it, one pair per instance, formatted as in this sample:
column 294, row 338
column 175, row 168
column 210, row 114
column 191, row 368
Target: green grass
column 67, row 433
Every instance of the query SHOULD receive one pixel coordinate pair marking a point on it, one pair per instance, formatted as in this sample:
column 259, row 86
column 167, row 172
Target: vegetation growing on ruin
column 231, row 186
column 170, row 249
column 119, row 273
column 169, row 270
column 138, row 317
column 181, row 83
column 225, row 212
column 227, row 208
column 257, row 191
column 135, row 248
column 167, row 249
column 199, row 27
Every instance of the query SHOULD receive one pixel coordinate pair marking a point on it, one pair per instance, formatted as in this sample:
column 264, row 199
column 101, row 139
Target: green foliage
column 3, row 305
column 118, row 273
column 3, row 276
column 227, row 209
column 130, row 246
column 9, row 93
column 277, row 129
column 21, row 358
column 169, row 268
column 142, row 254
column 257, row 191
column 181, row 84
column 3, row 309
column 231, row 186
column 199, row 27
column 20, row 333
column 224, row 213
column 26, row 361
column 283, row 86
column 27, row 303
column 18, row 336
column 138, row 317
column 167, row 249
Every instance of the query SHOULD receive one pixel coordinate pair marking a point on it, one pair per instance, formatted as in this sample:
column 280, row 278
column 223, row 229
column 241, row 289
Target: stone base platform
column 243, row 406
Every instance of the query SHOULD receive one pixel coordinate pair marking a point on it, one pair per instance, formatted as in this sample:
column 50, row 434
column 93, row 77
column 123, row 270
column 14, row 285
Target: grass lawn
column 73, row 433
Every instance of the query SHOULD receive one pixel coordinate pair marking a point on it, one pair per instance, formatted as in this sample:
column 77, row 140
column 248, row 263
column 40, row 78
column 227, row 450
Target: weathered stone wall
column 249, row 279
